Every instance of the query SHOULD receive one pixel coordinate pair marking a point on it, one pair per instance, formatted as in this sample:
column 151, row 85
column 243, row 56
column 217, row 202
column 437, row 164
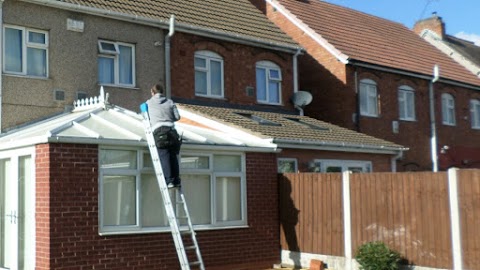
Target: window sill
column 267, row 103
column 449, row 125
column 118, row 86
column 167, row 230
column 407, row 120
column 212, row 97
column 26, row 76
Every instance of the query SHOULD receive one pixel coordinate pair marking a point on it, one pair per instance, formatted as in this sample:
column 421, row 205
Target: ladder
column 184, row 252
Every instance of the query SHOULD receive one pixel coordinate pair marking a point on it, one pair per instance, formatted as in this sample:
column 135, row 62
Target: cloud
column 471, row 37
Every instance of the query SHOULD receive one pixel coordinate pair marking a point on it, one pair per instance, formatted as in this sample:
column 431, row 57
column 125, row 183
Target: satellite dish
column 301, row 99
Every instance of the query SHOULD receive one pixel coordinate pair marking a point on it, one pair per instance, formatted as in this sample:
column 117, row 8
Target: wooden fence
column 411, row 212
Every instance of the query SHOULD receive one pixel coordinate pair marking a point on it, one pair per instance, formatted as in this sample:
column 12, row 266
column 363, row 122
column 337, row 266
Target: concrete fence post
column 455, row 219
column 347, row 220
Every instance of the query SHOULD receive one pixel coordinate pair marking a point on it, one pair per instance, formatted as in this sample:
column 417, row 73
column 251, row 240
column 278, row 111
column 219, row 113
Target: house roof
column 98, row 122
column 464, row 52
column 235, row 19
column 359, row 37
column 292, row 131
column 95, row 121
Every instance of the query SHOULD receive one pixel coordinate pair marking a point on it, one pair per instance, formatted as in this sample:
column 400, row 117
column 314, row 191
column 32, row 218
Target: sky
column 460, row 16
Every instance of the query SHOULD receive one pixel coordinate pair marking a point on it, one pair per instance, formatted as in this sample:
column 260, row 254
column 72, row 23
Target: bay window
column 130, row 200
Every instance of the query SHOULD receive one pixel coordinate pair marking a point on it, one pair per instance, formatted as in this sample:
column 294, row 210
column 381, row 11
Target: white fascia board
column 8, row 145
column 310, row 32
column 233, row 132
column 343, row 148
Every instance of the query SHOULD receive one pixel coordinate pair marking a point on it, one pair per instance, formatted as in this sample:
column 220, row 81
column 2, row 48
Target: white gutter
column 168, row 79
column 307, row 30
column 412, row 74
column 337, row 146
column 211, row 33
column 1, row 62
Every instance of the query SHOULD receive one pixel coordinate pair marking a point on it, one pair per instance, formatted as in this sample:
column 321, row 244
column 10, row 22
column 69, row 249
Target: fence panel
column 408, row 211
column 311, row 213
column 469, row 204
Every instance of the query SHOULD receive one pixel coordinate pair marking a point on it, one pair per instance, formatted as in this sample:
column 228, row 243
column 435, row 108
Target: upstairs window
column 406, row 103
column 269, row 83
column 448, row 110
column 116, row 63
column 208, row 74
column 475, row 113
column 368, row 98
column 25, row 51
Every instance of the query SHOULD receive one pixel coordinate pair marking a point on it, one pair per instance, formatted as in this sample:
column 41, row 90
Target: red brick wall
column 67, row 220
column 380, row 163
column 239, row 68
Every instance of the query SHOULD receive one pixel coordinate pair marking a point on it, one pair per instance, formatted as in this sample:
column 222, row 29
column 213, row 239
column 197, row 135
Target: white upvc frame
column 294, row 160
column 115, row 54
column 344, row 164
column 213, row 176
column 25, row 45
column 406, row 100
column 448, row 110
column 30, row 221
column 475, row 113
column 143, row 170
column 210, row 56
column 368, row 95
column 269, row 66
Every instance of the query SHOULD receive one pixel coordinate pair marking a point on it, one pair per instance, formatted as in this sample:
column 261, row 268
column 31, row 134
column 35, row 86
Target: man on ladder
column 159, row 115
column 163, row 113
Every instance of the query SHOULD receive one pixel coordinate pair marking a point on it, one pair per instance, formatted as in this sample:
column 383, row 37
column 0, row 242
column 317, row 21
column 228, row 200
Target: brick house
column 374, row 76
column 467, row 54
column 231, row 71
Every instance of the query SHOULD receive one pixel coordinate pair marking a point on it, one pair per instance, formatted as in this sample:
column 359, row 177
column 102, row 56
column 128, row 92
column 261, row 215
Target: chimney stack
column 434, row 24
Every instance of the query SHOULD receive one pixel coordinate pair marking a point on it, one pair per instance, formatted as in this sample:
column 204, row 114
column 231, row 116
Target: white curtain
column 125, row 65
column 228, row 195
column 119, row 200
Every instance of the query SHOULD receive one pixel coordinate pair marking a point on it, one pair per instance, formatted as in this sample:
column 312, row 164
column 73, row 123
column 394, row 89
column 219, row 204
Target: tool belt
column 167, row 138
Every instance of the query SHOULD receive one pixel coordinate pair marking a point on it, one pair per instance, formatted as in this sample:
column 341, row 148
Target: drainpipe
column 1, row 62
column 357, row 101
column 433, row 129
column 168, row 79
column 295, row 77
column 394, row 159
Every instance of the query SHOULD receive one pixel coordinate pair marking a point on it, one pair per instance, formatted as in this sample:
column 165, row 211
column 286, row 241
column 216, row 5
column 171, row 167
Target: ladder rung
column 182, row 217
column 185, row 232
column 190, row 247
column 195, row 263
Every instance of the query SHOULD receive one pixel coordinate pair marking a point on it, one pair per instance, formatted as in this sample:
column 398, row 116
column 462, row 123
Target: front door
column 15, row 173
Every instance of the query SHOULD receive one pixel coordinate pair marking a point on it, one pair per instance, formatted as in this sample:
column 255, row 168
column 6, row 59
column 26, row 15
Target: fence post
column 455, row 219
column 347, row 220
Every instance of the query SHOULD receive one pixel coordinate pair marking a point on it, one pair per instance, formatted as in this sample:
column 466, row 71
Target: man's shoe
column 177, row 185
column 170, row 185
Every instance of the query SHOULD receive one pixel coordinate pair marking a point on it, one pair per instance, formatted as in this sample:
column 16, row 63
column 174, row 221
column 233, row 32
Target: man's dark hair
column 157, row 88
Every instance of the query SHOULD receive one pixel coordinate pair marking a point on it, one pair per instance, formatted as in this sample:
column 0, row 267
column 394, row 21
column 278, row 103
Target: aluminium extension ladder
column 182, row 251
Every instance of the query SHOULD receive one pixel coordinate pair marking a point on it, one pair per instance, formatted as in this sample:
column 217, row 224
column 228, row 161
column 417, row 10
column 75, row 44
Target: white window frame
column 269, row 66
column 210, row 56
column 368, row 91
column 115, row 54
column 321, row 165
column 448, row 110
column 294, row 160
column 213, row 176
column 143, row 170
column 25, row 45
column 404, row 92
column 475, row 113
